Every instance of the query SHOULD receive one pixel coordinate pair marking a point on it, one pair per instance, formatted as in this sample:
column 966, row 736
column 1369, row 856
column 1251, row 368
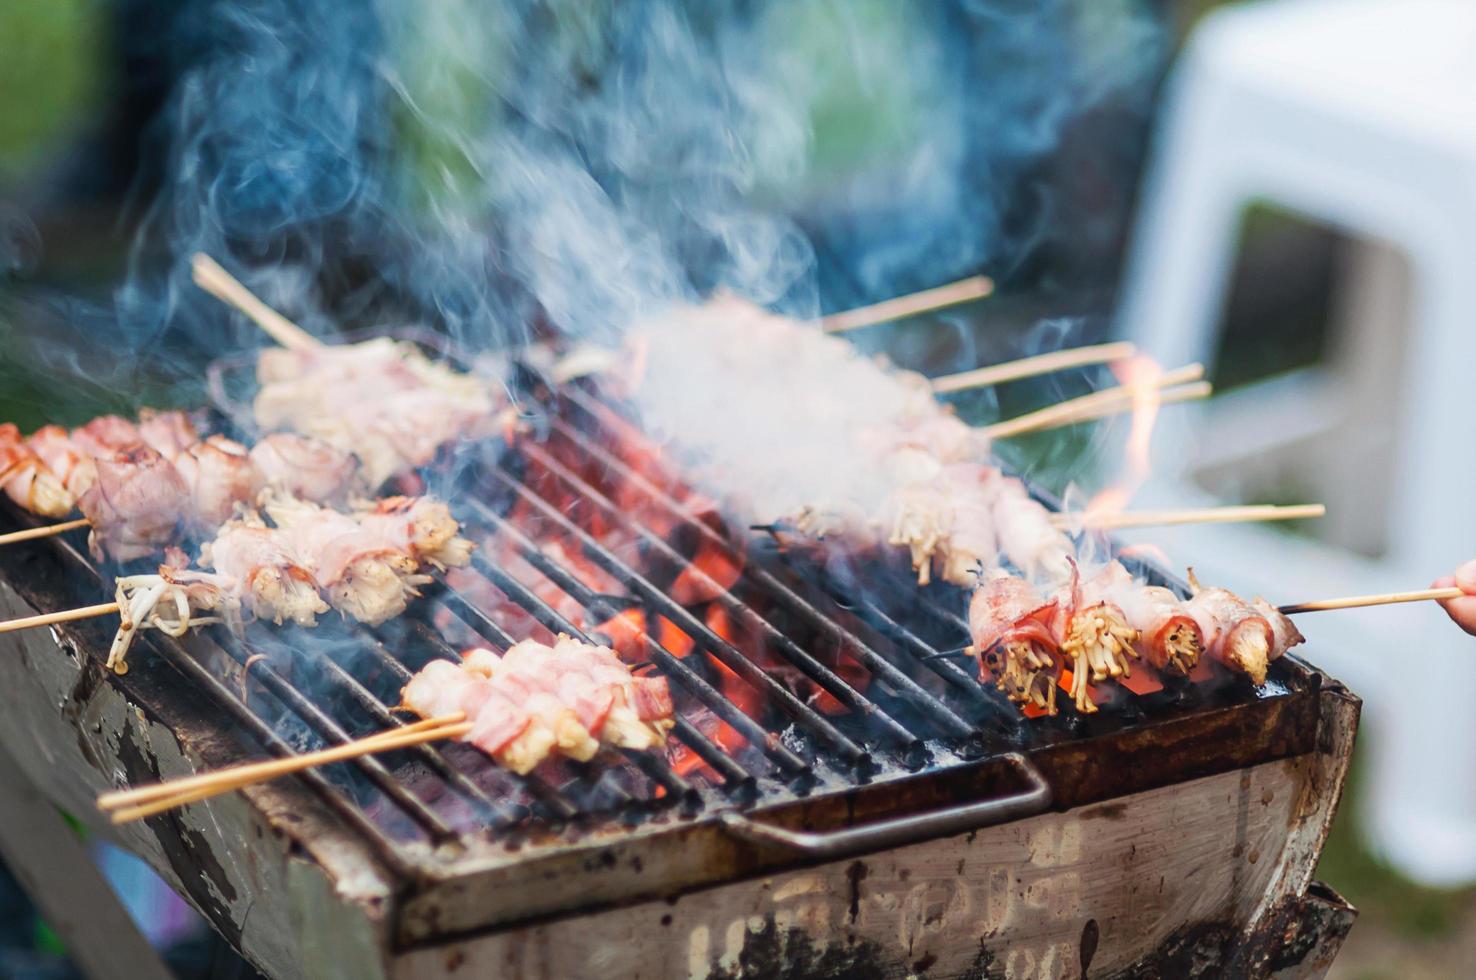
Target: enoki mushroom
column 1024, row 673
column 1182, row 650
column 173, row 608
column 1099, row 644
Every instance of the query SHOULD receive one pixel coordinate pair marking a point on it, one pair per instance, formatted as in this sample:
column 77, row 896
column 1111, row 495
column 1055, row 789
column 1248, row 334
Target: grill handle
column 886, row 834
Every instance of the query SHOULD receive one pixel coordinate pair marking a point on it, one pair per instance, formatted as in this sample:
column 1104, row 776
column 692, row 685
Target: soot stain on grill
column 1201, row 950
column 1110, row 811
column 1091, row 934
column 791, row 954
column 89, row 679
column 187, row 851
column 855, row 874
column 985, row 966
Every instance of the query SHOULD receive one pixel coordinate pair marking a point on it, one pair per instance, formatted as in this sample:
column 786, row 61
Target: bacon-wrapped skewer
column 535, row 700
column 70, row 455
column 140, row 510
column 382, row 400
column 311, row 560
column 1016, row 634
column 1243, row 636
column 27, row 479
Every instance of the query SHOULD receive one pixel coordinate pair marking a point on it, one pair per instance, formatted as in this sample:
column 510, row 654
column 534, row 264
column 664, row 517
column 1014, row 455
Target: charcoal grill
column 920, row 826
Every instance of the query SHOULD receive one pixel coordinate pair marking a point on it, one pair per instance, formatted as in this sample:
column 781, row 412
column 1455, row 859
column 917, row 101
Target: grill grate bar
column 724, row 651
column 826, row 678
column 330, row 730
column 670, row 664
column 936, row 710
column 474, row 618
column 888, row 625
column 735, row 776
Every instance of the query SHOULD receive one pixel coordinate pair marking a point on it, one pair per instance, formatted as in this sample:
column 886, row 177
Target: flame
column 1146, row 551
column 1140, row 375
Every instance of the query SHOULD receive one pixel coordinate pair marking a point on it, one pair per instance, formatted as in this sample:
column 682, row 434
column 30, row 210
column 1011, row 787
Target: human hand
column 1462, row 610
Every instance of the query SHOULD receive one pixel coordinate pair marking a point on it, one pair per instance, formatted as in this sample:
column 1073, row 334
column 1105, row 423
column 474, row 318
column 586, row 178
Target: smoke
column 487, row 166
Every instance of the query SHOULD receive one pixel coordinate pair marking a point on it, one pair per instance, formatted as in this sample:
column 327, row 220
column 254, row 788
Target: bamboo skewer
column 1109, row 401
column 1381, row 599
column 897, row 308
column 130, row 805
column 1201, row 515
column 219, row 283
column 30, row 534
column 1029, row 367
column 65, row 616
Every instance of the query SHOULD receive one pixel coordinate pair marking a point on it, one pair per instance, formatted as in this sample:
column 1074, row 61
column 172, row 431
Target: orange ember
column 713, row 571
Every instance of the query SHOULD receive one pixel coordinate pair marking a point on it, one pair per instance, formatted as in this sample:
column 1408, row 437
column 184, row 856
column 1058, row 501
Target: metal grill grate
column 920, row 707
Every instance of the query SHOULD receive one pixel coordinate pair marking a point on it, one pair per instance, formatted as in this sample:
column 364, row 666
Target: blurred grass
column 51, row 65
column 1408, row 910
column 1405, row 931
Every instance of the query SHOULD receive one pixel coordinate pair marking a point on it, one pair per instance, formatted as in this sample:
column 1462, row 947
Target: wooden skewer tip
column 65, row 616
column 32, row 533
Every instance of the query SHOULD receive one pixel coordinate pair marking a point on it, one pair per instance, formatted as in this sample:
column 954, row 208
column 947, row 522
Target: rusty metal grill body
column 921, row 751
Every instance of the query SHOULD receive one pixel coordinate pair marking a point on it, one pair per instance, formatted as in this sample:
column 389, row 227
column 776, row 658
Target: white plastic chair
column 1359, row 114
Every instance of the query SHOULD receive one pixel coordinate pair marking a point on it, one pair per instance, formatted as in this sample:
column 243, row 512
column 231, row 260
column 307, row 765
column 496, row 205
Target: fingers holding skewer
column 1461, row 606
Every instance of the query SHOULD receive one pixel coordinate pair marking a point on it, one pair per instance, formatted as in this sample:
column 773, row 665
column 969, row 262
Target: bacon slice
column 220, row 474
column 419, row 526
column 1027, row 536
column 365, row 577
column 1284, row 633
column 135, row 505
column 1236, row 633
column 304, row 467
column 106, row 435
column 167, row 432
column 27, row 479
column 259, row 567
column 70, row 464
column 1016, row 634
